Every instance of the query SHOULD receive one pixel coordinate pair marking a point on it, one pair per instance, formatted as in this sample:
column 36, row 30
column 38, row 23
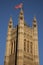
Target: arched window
column 21, row 17
column 21, row 13
column 30, row 47
column 24, row 44
column 34, row 25
column 9, row 26
column 27, row 46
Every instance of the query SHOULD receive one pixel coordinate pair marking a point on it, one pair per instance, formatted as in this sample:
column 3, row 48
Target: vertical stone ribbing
column 20, row 39
column 15, row 54
column 35, row 43
column 8, row 43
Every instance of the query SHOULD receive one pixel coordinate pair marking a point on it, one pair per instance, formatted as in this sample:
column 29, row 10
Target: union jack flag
column 19, row 6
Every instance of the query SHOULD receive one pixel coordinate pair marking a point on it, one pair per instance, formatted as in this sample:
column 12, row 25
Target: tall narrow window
column 21, row 18
column 27, row 46
column 9, row 26
column 24, row 45
column 30, row 47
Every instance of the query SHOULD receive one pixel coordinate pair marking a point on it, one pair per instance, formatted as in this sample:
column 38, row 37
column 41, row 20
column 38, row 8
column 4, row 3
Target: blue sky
column 31, row 8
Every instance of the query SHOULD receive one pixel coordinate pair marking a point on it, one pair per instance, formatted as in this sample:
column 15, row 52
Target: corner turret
column 35, row 42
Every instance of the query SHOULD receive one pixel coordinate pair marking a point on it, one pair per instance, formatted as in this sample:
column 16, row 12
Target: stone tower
column 22, row 43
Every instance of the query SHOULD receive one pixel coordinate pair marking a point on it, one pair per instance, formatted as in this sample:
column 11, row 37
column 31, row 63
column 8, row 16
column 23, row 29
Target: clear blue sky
column 31, row 8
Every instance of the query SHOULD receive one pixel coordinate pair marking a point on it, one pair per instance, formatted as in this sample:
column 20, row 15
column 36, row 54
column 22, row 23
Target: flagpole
column 22, row 7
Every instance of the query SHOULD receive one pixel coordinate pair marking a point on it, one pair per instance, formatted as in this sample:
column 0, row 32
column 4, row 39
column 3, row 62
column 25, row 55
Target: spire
column 34, row 22
column 21, row 15
column 34, row 19
column 35, row 42
column 10, row 22
column 10, row 18
column 21, row 10
column 9, row 33
column 20, row 37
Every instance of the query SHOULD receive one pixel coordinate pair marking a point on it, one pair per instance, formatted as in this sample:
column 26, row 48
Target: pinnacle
column 21, row 10
column 34, row 18
column 10, row 18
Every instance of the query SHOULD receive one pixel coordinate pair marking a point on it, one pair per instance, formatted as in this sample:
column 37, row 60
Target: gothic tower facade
column 22, row 43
